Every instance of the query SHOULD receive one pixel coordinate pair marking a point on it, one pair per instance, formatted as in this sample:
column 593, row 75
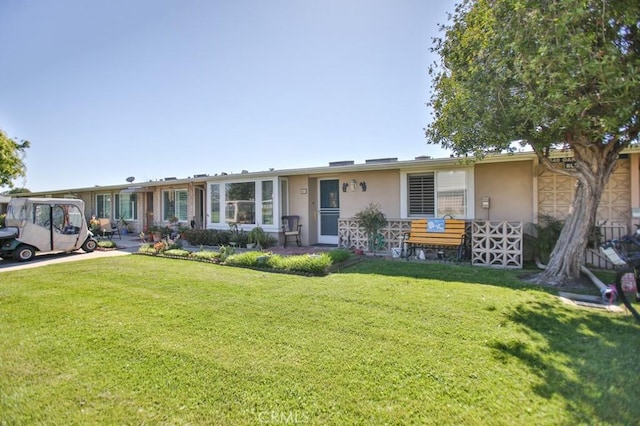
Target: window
column 215, row 202
column 267, row 202
column 244, row 203
column 284, row 197
column 174, row 204
column 103, row 206
column 437, row 194
column 42, row 215
column 240, row 204
column 421, row 195
column 452, row 193
column 127, row 206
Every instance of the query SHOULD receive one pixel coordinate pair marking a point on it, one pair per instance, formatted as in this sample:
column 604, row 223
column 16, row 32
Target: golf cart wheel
column 90, row 245
column 23, row 253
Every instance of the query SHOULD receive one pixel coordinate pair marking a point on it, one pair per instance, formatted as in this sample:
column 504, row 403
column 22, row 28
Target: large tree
column 11, row 159
column 544, row 73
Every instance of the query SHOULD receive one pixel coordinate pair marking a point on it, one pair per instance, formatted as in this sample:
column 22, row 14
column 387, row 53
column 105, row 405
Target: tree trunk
column 567, row 255
column 593, row 169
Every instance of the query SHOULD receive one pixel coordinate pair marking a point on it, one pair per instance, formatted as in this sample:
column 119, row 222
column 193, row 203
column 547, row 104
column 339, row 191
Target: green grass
column 139, row 339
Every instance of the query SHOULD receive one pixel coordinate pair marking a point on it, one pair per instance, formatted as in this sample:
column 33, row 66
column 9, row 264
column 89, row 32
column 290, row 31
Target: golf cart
column 44, row 225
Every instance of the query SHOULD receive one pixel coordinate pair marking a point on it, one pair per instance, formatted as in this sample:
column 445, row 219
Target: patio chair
column 291, row 228
column 108, row 229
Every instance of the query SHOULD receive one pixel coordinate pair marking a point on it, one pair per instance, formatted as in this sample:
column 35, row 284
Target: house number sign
column 567, row 162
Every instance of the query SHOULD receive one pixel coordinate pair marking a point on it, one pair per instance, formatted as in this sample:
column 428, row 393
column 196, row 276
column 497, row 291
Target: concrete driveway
column 127, row 245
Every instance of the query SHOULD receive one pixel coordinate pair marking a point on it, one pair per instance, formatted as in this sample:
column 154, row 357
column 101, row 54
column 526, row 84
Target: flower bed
column 306, row 264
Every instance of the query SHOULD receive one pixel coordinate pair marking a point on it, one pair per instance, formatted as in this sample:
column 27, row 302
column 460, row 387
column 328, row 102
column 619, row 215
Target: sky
column 105, row 90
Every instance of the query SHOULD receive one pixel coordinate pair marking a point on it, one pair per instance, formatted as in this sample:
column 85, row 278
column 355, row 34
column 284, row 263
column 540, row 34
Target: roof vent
column 341, row 163
column 200, row 175
column 170, row 178
column 423, row 157
column 381, row 160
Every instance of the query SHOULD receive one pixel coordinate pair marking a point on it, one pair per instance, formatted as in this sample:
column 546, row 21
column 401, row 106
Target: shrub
column 177, row 252
column 307, row 264
column 371, row 220
column 339, row 255
column 177, row 244
column 247, row 259
column 225, row 252
column 107, row 244
column 2, row 217
column 206, row 255
column 207, row 237
column 147, row 249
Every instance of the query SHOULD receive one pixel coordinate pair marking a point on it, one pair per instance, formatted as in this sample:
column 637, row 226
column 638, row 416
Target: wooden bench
column 437, row 234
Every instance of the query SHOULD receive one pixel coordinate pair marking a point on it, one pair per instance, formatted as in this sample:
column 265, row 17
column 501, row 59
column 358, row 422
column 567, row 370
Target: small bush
column 206, row 255
column 107, row 244
column 177, row 252
column 147, row 249
column 177, row 244
column 248, row 259
column 339, row 255
column 207, row 237
column 306, row 263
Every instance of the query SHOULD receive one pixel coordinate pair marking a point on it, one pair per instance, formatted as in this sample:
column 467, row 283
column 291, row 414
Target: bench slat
column 453, row 234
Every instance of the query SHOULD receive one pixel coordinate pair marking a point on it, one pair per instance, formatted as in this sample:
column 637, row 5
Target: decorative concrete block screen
column 351, row 236
column 496, row 244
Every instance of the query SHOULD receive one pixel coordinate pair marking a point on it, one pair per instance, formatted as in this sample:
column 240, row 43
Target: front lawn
column 137, row 339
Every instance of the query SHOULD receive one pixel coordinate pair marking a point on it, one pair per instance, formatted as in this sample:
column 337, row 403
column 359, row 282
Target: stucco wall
column 509, row 187
column 383, row 188
column 299, row 204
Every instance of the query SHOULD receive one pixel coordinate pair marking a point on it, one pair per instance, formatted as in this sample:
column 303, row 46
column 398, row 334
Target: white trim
column 223, row 225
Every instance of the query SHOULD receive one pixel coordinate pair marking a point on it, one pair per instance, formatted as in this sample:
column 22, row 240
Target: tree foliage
column 11, row 159
column 539, row 71
column 544, row 73
column 17, row 191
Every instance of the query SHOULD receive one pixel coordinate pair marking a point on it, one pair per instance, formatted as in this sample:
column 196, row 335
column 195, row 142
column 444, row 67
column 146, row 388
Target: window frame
column 176, row 207
column 117, row 206
column 221, row 200
column 101, row 209
column 469, row 204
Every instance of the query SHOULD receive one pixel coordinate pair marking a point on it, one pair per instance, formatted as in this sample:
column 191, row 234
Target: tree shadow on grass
column 442, row 271
column 592, row 362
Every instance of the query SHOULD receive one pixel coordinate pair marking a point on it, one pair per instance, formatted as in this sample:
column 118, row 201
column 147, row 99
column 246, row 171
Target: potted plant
column 158, row 231
column 182, row 229
column 237, row 236
column 257, row 236
column 123, row 225
column 371, row 220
